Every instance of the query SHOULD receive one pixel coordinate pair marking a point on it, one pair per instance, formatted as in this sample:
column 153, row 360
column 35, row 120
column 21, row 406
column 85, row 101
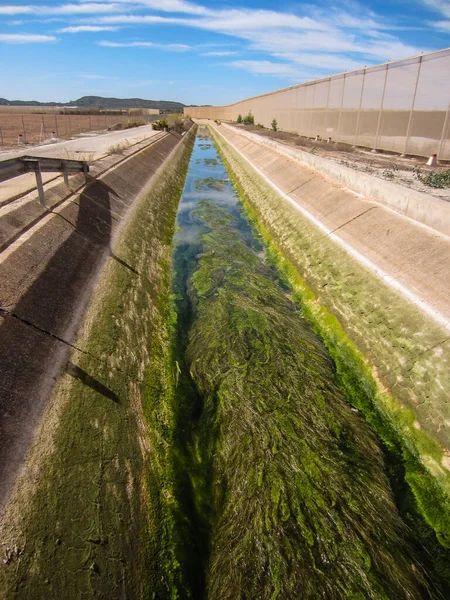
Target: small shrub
column 436, row 180
column 239, row 119
column 176, row 122
column 388, row 174
column 274, row 125
column 160, row 125
column 118, row 148
column 260, row 125
column 249, row 119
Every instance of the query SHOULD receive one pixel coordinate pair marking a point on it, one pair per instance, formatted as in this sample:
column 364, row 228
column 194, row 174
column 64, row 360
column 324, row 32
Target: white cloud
column 284, row 35
column 79, row 9
column 107, row 44
column 229, row 21
column 441, row 25
column 266, row 67
column 90, row 8
column 87, row 76
column 440, row 6
column 219, row 53
column 316, row 42
column 87, row 28
column 243, row 20
column 141, row 20
column 172, row 6
column 23, row 38
column 170, row 47
column 329, row 62
column 15, row 10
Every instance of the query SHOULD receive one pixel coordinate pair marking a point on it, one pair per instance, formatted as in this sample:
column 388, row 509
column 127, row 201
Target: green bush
column 239, row 119
column 436, row 180
column 160, row 125
column 274, row 125
column 249, row 119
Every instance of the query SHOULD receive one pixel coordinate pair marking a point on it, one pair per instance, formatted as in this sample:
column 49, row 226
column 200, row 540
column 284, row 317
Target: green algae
column 210, row 162
column 413, row 456
column 299, row 491
column 209, row 183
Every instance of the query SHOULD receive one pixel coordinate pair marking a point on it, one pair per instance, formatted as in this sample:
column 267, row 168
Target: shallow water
column 189, row 228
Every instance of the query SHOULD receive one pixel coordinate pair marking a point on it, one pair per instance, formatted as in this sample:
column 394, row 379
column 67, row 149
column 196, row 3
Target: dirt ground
column 390, row 167
column 37, row 128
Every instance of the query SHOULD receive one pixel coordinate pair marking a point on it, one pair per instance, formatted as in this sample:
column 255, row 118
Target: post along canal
column 282, row 488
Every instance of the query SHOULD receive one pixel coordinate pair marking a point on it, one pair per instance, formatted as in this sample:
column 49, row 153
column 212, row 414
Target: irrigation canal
column 289, row 493
column 205, row 440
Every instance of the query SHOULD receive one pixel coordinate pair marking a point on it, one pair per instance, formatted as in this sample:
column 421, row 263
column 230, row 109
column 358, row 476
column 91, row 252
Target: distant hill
column 96, row 101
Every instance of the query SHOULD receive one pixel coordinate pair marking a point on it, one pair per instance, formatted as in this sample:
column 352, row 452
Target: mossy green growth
column 422, row 482
column 209, row 162
column 301, row 499
column 209, row 183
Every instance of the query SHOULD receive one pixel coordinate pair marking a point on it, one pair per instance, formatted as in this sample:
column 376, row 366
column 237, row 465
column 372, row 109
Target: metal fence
column 401, row 106
column 35, row 128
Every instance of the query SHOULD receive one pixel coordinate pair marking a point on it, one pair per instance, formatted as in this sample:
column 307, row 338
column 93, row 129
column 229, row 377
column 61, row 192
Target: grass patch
column 118, row 148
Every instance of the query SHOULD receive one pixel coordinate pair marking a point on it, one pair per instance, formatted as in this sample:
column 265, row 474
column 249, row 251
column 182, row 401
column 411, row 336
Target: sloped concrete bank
column 73, row 524
column 356, row 267
column 416, row 205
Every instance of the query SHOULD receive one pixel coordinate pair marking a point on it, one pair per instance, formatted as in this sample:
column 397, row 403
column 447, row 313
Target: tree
column 239, row 119
column 274, row 125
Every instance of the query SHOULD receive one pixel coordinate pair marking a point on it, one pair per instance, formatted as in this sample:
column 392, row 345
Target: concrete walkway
column 90, row 148
column 95, row 145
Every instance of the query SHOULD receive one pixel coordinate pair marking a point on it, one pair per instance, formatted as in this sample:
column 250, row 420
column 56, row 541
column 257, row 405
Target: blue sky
column 213, row 52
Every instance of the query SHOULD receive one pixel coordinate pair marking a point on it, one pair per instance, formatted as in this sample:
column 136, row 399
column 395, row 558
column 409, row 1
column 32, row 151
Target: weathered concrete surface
column 416, row 256
column 18, row 186
column 46, row 277
column 385, row 277
column 18, row 215
column 89, row 147
column 416, row 205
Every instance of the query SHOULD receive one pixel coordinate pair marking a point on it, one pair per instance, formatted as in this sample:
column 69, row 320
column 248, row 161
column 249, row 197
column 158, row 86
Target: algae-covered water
column 284, row 491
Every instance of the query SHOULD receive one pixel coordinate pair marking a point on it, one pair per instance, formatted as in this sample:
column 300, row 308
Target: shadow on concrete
column 78, row 373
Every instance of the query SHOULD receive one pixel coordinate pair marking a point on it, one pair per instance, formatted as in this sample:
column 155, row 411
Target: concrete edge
column 420, row 207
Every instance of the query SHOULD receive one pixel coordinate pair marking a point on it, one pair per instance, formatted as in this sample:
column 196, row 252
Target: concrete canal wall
column 75, row 519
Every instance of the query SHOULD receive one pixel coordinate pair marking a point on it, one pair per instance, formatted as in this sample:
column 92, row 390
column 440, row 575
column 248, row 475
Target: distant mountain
column 96, row 101
column 5, row 102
